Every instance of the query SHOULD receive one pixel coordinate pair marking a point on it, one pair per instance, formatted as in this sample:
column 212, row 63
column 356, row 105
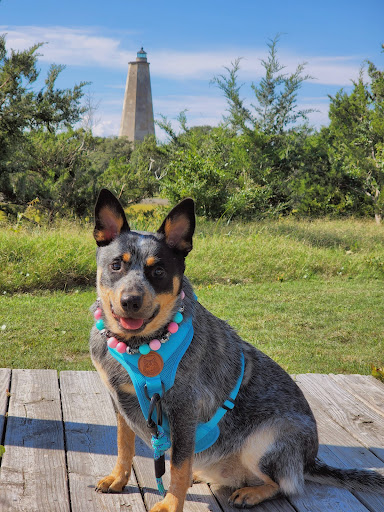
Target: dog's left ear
column 110, row 219
column 179, row 226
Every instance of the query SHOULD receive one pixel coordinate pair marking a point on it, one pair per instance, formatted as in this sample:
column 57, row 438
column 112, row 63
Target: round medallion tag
column 150, row 364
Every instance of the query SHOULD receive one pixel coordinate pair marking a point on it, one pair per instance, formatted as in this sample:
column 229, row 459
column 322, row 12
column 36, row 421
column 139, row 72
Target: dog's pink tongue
column 131, row 323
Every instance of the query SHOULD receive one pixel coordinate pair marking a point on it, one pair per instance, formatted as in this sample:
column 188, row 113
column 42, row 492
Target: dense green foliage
column 262, row 161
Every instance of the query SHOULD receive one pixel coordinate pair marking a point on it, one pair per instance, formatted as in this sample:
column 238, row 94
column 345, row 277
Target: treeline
column 261, row 161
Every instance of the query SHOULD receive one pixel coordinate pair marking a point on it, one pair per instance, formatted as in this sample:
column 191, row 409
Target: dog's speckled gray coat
column 269, row 407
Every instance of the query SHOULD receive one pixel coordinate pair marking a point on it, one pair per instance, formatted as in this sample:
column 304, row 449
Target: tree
column 57, row 169
column 273, row 128
column 357, row 133
column 276, row 95
column 137, row 176
column 23, row 109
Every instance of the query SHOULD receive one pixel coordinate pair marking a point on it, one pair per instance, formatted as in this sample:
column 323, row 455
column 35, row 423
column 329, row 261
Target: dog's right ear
column 110, row 218
column 179, row 226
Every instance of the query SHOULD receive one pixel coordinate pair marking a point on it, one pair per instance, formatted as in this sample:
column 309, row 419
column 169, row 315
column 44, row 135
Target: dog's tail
column 350, row 479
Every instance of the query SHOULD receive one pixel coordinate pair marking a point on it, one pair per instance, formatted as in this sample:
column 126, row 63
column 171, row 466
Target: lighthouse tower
column 137, row 117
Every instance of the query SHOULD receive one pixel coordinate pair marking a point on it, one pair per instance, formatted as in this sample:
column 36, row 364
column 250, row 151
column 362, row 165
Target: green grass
column 305, row 326
column 309, row 294
column 64, row 258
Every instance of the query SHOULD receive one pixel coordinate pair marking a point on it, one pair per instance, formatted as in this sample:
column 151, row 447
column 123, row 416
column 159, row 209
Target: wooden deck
column 60, row 438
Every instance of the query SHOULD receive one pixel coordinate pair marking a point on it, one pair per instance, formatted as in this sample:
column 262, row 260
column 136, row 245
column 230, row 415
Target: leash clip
column 159, row 441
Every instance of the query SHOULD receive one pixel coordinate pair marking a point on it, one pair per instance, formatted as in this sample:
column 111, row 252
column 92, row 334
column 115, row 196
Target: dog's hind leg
column 276, row 463
column 119, row 477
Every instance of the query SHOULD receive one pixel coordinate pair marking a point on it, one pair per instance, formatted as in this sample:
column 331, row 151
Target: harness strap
column 207, row 433
column 172, row 353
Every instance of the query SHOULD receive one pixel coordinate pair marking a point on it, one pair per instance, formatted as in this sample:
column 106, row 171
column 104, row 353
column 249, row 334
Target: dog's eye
column 116, row 265
column 158, row 272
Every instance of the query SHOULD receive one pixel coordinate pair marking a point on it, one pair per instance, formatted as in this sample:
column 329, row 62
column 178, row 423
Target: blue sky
column 188, row 43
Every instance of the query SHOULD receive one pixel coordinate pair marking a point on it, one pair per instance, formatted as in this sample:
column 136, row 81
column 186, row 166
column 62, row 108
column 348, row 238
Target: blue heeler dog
column 234, row 417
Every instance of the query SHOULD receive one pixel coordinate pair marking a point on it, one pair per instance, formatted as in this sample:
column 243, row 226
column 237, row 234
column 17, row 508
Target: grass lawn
column 309, row 294
column 306, row 326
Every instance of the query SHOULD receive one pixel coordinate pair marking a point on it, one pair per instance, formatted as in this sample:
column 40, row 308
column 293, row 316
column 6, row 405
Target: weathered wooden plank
column 361, row 421
column 340, row 449
column 34, row 444
column 277, row 505
column 90, row 432
column 365, row 388
column 5, row 376
column 318, row 498
column 33, row 469
column 315, row 498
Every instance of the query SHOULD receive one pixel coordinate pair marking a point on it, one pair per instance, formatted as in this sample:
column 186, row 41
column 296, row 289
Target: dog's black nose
column 131, row 303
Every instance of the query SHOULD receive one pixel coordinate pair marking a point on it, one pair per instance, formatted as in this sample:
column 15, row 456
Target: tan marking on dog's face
column 176, row 285
column 106, row 297
column 151, row 261
column 98, row 275
column 147, row 308
column 166, row 301
column 126, row 257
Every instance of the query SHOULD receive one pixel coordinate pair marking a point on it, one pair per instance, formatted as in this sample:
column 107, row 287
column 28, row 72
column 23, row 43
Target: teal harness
column 146, row 387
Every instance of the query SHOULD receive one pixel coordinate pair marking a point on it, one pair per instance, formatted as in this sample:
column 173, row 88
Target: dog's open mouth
column 134, row 324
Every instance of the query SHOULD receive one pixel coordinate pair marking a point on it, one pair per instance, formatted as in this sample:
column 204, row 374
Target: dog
column 265, row 443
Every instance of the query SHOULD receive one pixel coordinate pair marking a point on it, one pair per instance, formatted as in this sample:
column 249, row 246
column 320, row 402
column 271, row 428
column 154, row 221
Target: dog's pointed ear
column 179, row 226
column 110, row 218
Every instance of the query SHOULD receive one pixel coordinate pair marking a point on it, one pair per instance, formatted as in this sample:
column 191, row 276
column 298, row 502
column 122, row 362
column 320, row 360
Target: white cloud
column 70, row 46
column 90, row 47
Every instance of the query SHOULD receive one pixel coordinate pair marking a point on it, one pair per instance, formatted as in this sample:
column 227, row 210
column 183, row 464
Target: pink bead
column 155, row 345
column 97, row 314
column 182, row 295
column 112, row 342
column 121, row 347
column 173, row 327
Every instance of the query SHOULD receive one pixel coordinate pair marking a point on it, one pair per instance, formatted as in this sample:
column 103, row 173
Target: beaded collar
column 154, row 344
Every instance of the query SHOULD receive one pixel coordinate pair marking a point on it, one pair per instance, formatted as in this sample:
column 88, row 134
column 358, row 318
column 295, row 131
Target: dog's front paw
column 160, row 507
column 112, row 483
column 169, row 504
